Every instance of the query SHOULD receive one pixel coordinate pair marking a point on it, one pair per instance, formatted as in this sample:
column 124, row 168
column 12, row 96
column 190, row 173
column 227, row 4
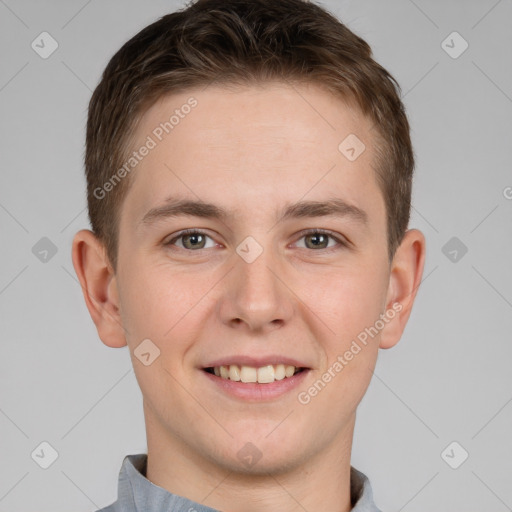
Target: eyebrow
column 174, row 207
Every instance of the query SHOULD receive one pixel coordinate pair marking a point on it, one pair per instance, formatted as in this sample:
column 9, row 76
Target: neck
column 320, row 482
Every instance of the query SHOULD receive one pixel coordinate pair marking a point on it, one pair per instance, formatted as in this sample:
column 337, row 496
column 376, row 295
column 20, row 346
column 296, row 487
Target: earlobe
column 404, row 281
column 99, row 286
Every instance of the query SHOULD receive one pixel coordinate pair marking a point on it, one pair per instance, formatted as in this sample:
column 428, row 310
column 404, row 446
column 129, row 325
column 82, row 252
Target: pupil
column 316, row 237
column 194, row 238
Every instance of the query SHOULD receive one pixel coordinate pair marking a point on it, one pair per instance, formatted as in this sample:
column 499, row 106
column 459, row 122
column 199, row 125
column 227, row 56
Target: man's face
column 254, row 287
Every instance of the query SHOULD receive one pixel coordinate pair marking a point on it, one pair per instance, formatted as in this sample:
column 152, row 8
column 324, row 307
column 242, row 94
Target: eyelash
column 313, row 231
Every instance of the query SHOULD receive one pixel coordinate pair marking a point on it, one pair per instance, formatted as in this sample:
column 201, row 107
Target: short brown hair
column 242, row 42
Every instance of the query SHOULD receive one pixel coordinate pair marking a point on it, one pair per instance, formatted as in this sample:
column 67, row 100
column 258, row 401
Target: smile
column 250, row 374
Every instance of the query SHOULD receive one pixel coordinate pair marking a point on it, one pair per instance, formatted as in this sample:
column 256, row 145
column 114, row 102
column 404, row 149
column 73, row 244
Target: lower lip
column 254, row 391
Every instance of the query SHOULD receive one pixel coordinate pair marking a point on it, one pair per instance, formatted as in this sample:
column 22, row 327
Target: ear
column 99, row 286
column 404, row 280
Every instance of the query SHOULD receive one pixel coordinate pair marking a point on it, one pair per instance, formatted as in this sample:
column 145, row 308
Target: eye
column 316, row 239
column 319, row 239
column 191, row 239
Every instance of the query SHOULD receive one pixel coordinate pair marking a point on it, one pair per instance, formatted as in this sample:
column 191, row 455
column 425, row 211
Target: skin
column 251, row 150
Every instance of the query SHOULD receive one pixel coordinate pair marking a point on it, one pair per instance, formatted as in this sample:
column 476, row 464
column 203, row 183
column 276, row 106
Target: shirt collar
column 137, row 494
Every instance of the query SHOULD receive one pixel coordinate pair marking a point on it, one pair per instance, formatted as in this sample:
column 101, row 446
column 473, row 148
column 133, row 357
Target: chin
column 258, row 455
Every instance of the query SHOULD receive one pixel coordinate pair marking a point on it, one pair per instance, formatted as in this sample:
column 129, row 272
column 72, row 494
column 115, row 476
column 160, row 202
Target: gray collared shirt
column 137, row 494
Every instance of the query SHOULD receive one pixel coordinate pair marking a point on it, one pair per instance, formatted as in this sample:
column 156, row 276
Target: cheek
column 159, row 303
column 347, row 300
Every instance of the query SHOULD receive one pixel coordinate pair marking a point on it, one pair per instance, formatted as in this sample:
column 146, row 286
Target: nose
column 255, row 295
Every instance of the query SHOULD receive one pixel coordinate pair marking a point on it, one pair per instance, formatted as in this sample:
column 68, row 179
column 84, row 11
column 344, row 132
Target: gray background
column 448, row 379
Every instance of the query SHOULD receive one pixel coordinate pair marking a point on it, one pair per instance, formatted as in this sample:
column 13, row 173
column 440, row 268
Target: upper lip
column 246, row 360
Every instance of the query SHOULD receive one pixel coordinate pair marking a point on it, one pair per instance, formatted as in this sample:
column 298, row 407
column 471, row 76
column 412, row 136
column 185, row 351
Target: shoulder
column 111, row 508
column 361, row 492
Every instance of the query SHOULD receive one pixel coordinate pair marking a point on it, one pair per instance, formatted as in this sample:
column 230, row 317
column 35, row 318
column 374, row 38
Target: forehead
column 270, row 140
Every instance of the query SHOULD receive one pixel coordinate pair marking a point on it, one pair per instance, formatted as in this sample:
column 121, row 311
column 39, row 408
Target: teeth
column 289, row 370
column 262, row 375
column 266, row 374
column 279, row 372
column 234, row 372
column 248, row 374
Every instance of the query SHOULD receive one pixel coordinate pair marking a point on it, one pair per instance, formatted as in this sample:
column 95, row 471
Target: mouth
column 267, row 378
column 252, row 374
